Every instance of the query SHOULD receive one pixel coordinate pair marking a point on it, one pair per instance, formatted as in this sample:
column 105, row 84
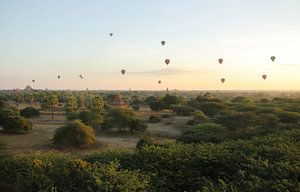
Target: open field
column 40, row 138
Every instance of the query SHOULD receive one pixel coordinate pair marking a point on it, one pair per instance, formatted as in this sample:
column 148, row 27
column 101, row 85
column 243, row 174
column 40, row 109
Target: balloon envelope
column 81, row 77
column 163, row 42
column 223, row 80
column 123, row 71
column 273, row 58
column 111, row 34
column 33, row 81
column 159, row 82
column 167, row 61
column 220, row 60
column 58, row 76
column 264, row 77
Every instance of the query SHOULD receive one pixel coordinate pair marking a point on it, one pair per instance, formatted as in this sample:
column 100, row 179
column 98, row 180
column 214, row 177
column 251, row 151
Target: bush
column 208, row 132
column 289, row 117
column 75, row 134
column 137, row 125
column 156, row 106
column 72, row 116
column 199, row 117
column 212, row 108
column 145, row 141
column 29, row 112
column 238, row 120
column 16, row 124
column 125, row 157
column 53, row 172
column 120, row 118
column 5, row 113
column 154, row 119
column 183, row 110
column 268, row 163
column 241, row 99
column 165, row 116
column 93, row 118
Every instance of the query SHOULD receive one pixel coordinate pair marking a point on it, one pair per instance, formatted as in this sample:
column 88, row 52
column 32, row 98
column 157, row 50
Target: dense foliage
column 75, row 133
column 53, row 172
column 29, row 112
column 123, row 119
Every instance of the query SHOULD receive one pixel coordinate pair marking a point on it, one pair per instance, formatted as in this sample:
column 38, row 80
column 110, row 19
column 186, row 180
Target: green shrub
column 241, row 99
column 207, row 132
column 72, row 115
column 165, row 116
column 123, row 119
column 199, row 117
column 75, row 133
column 93, row 118
column 29, row 112
column 5, row 113
column 289, row 117
column 52, row 172
column 137, row 125
column 183, row 110
column 238, row 120
column 16, row 124
column 154, row 119
column 145, row 141
column 212, row 109
column 268, row 163
column 125, row 157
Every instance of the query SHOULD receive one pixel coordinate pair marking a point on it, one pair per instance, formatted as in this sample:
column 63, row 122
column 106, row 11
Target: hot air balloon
column 220, row 60
column 264, row 77
column 223, row 80
column 58, row 76
column 33, row 80
column 167, row 61
column 123, row 71
column 111, row 34
column 273, row 58
column 159, row 82
column 163, row 42
column 81, row 77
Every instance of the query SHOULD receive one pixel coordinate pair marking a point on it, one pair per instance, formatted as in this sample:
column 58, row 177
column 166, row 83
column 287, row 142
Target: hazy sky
column 42, row 39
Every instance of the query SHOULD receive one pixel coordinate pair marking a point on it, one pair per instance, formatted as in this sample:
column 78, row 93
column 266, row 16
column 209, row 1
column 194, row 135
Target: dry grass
column 43, row 130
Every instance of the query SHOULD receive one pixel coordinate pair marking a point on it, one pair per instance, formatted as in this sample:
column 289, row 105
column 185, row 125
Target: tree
column 71, row 104
column 29, row 112
column 156, row 106
column 16, row 124
column 75, row 133
column 212, row 108
column 95, row 102
column 122, row 118
column 93, row 118
column 170, row 100
column 183, row 110
column 137, row 125
column 238, row 120
column 5, row 113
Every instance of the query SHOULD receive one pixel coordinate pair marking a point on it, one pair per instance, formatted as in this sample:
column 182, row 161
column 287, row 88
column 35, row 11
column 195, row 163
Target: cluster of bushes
column 268, row 163
column 183, row 110
column 29, row 112
column 54, row 172
column 158, row 104
column 154, row 119
column 123, row 119
column 12, row 122
column 75, row 133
